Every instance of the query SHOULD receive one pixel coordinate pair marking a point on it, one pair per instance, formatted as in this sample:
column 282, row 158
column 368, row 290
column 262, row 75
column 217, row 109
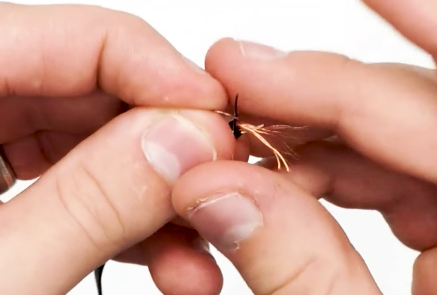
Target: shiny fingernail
column 200, row 245
column 260, row 51
column 227, row 220
column 174, row 145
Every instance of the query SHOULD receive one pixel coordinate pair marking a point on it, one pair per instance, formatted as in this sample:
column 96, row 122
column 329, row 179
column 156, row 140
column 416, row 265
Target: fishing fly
column 259, row 132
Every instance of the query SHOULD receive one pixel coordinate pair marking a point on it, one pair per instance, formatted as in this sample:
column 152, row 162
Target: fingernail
column 201, row 245
column 226, row 221
column 174, row 145
column 260, row 51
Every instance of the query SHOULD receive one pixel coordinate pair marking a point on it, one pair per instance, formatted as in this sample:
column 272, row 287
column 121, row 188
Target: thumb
column 111, row 192
column 281, row 239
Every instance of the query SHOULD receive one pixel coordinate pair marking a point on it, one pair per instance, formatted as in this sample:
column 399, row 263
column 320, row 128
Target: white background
column 343, row 26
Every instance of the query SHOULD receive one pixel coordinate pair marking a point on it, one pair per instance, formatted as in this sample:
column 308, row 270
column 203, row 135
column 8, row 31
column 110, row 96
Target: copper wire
column 255, row 131
column 259, row 130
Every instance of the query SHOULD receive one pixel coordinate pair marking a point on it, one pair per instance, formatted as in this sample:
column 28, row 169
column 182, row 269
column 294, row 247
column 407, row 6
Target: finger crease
column 45, row 147
column 64, row 204
column 108, row 201
column 293, row 277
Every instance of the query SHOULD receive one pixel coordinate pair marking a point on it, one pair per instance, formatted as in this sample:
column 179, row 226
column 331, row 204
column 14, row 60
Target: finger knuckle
column 330, row 274
column 90, row 206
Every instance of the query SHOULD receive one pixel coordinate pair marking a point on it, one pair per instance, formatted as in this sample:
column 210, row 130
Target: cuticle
column 156, row 120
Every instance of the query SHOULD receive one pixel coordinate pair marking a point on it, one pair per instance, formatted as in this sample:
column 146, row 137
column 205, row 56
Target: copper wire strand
column 273, row 130
column 226, row 114
column 269, row 130
column 254, row 130
column 277, row 130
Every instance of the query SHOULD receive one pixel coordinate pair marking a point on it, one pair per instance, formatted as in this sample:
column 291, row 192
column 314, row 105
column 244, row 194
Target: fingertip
column 184, row 266
column 186, row 272
column 218, row 47
column 223, row 52
column 424, row 273
column 209, row 88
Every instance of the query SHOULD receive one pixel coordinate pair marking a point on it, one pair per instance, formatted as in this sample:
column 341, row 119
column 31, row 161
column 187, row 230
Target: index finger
column 387, row 113
column 71, row 50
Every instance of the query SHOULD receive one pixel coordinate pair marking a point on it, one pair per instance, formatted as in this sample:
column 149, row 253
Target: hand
column 65, row 71
column 373, row 146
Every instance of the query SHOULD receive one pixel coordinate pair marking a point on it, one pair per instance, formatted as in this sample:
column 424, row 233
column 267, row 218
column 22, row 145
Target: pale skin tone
column 372, row 147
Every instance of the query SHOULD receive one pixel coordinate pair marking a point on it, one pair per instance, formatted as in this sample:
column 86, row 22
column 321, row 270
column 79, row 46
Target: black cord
column 98, row 275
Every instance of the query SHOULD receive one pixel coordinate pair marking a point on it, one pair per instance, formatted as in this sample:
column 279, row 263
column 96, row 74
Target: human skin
column 66, row 74
column 380, row 155
column 105, row 198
